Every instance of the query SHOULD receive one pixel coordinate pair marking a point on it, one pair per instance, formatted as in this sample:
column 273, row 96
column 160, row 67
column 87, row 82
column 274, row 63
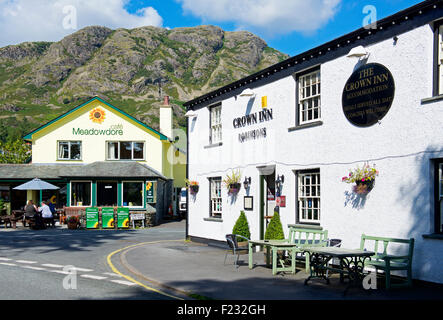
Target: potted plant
column 233, row 182
column 241, row 228
column 193, row 186
column 73, row 222
column 363, row 178
column 274, row 231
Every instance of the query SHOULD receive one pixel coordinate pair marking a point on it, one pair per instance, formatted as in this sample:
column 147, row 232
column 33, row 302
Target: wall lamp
column 358, row 52
column 247, row 93
column 247, row 182
column 191, row 114
column 278, row 183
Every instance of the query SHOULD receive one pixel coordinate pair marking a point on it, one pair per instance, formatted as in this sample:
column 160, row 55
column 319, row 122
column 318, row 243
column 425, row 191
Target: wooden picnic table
column 273, row 246
column 352, row 263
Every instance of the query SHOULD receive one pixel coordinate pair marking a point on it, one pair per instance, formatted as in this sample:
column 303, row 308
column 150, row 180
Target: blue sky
column 290, row 26
column 348, row 17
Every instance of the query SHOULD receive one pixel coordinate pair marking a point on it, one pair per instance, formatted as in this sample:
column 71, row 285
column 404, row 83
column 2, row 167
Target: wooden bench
column 305, row 236
column 389, row 262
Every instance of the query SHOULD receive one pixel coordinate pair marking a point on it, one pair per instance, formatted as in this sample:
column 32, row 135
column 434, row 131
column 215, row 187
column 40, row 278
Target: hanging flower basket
column 193, row 186
column 364, row 179
column 194, row 189
column 233, row 182
column 234, row 188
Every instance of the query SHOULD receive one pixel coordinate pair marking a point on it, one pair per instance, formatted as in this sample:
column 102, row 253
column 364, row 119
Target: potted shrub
column 73, row 222
column 241, row 228
column 363, row 178
column 193, row 186
column 233, row 182
column 275, row 232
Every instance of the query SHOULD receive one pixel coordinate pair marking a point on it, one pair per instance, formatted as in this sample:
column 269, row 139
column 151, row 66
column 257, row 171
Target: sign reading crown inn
column 368, row 94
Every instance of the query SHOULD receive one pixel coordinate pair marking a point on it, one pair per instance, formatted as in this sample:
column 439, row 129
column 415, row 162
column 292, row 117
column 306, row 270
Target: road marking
column 34, row 268
column 126, row 283
column 90, row 276
column 8, row 264
column 112, row 274
column 52, row 265
column 5, row 259
column 26, row 261
column 81, row 269
column 133, row 280
column 59, row 271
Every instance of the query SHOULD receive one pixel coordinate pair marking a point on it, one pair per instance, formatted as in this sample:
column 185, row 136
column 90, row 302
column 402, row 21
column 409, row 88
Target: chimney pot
column 166, row 101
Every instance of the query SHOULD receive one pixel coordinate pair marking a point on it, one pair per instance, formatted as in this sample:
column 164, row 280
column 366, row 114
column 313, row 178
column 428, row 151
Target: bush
column 275, row 229
column 241, row 227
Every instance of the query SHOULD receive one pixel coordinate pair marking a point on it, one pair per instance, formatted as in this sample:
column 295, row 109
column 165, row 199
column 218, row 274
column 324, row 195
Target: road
column 37, row 265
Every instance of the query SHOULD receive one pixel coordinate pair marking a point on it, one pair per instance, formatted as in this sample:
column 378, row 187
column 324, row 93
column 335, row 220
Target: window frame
column 69, row 142
column 299, row 197
column 437, row 52
column 143, row 194
column 298, row 114
column 211, row 125
column 212, row 213
column 70, row 193
column 438, row 196
column 132, row 150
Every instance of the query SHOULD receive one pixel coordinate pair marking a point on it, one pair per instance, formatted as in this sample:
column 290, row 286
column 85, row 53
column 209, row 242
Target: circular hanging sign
column 368, row 94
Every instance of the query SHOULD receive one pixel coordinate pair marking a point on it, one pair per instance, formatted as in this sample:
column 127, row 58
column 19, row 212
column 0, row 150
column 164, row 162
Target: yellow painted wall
column 45, row 141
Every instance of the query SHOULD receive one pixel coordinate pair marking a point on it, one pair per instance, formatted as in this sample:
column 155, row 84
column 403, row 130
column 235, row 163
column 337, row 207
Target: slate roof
column 117, row 169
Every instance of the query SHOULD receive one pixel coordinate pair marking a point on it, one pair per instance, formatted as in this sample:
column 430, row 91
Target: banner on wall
column 108, row 218
column 123, row 218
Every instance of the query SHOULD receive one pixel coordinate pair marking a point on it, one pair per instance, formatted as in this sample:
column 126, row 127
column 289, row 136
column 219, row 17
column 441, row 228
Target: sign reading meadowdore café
column 98, row 115
column 368, row 94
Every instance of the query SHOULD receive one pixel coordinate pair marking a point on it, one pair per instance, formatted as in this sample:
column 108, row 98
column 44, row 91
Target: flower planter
column 234, row 187
column 73, row 226
column 363, row 187
column 194, row 189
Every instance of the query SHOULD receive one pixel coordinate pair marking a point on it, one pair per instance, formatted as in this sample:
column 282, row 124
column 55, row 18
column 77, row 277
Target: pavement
column 157, row 263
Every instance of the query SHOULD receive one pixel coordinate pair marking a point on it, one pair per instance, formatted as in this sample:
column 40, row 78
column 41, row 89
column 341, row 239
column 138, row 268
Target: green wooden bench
column 306, row 236
column 389, row 262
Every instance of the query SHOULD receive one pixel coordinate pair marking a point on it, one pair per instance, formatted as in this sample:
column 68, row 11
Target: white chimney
column 166, row 118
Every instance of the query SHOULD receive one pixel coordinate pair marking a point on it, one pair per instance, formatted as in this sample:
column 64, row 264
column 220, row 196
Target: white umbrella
column 36, row 184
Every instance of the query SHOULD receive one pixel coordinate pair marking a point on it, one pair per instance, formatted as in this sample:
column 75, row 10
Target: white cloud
column 46, row 20
column 270, row 16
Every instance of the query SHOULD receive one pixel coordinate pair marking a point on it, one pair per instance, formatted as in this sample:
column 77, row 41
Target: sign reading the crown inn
column 368, row 94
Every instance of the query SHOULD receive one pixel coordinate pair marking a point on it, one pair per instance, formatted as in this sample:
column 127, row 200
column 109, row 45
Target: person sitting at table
column 30, row 211
column 47, row 214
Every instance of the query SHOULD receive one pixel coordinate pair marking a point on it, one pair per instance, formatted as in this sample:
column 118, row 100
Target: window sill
column 218, row 144
column 213, row 219
column 432, row 99
column 306, row 125
column 436, row 236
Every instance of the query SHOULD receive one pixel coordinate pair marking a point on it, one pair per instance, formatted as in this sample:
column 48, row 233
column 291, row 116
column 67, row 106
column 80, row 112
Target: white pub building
column 296, row 130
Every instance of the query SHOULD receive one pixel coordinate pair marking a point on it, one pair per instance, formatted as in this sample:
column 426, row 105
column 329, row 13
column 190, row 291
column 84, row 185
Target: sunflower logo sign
column 108, row 218
column 123, row 218
column 97, row 115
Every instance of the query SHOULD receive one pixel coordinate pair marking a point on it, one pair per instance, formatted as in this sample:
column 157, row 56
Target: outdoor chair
column 234, row 248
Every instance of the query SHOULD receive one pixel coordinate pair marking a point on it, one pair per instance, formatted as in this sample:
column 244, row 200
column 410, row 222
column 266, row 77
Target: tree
column 275, row 229
column 241, row 227
column 14, row 152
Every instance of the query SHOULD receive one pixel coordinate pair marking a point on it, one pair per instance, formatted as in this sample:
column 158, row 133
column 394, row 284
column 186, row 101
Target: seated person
column 30, row 211
column 46, row 214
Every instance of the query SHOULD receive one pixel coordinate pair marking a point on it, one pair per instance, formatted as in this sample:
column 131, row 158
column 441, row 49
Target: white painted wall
column 400, row 205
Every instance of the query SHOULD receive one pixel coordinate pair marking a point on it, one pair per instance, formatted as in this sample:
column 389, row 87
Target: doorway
column 106, row 194
column 267, row 197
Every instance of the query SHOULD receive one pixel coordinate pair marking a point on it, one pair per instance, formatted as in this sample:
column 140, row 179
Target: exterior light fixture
column 247, row 182
column 247, row 93
column 191, row 114
column 358, row 52
column 278, row 183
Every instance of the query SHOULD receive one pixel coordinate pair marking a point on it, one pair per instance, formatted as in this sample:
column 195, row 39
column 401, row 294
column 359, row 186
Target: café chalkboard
column 368, row 94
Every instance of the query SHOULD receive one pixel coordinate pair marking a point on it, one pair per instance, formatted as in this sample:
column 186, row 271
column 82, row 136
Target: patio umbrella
column 36, row 184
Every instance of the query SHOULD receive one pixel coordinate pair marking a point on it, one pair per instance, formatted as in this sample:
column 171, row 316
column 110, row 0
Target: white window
column 216, row 125
column 309, row 197
column 125, row 150
column 69, row 150
column 309, row 97
column 81, row 193
column 215, row 197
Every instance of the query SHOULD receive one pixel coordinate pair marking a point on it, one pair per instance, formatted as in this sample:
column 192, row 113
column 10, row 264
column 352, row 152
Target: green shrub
column 275, row 229
column 241, row 227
